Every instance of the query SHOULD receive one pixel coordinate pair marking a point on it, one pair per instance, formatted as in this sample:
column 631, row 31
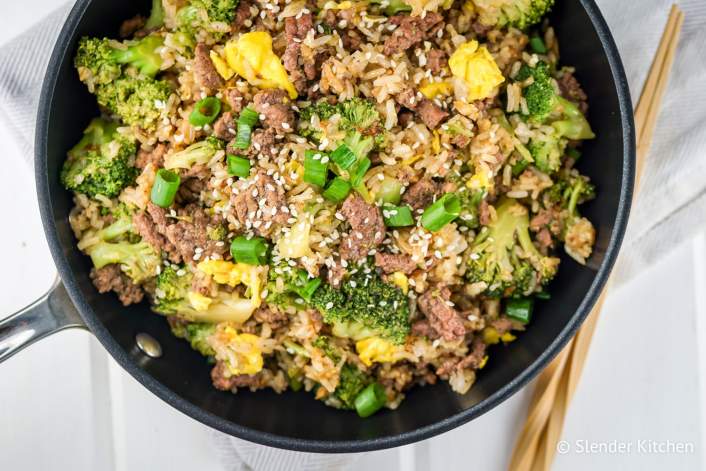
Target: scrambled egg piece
column 295, row 243
column 477, row 68
column 400, row 279
column 492, row 336
column 242, row 352
column 232, row 274
column 376, row 349
column 433, row 89
column 221, row 66
column 483, row 179
column 251, row 56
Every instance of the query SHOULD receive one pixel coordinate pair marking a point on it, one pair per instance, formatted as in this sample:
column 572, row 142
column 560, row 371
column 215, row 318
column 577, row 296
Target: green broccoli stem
column 156, row 18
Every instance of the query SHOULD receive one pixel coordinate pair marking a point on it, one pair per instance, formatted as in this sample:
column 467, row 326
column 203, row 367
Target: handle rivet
column 148, row 345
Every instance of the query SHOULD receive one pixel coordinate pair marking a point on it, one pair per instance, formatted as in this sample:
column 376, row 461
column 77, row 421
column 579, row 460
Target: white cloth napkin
column 671, row 205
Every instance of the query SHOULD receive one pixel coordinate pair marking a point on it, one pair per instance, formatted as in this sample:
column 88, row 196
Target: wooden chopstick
column 536, row 445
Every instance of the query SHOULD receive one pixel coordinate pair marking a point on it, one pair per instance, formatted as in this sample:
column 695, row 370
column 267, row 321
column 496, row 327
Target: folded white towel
column 671, row 205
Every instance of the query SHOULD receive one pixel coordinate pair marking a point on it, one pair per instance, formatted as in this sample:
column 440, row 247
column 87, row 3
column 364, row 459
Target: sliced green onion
column 247, row 119
column 573, row 153
column 389, row 191
column 248, row 116
column 537, row 45
column 344, row 157
column 397, row 216
column 166, row 185
column 360, row 171
column 249, row 251
column 337, row 190
column 205, row 111
column 443, row 211
column 370, row 400
column 544, row 295
column 238, row 166
column 306, row 286
column 315, row 167
column 519, row 309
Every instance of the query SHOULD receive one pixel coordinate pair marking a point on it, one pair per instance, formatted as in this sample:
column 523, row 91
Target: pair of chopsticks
column 537, row 443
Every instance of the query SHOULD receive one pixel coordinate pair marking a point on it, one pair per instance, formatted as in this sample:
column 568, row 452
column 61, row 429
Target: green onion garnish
column 544, row 295
column 397, row 216
column 344, row 157
column 165, row 188
column 306, row 285
column 238, row 166
column 249, row 116
column 443, row 211
column 519, row 309
column 205, row 111
column 337, row 190
column 315, row 167
column 249, row 251
column 537, row 45
column 370, row 400
column 247, row 119
column 359, row 172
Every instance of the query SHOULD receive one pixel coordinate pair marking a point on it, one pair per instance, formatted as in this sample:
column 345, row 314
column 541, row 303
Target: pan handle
column 51, row 313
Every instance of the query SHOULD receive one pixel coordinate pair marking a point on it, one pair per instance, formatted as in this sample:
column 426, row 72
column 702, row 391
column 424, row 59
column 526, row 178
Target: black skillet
column 295, row 420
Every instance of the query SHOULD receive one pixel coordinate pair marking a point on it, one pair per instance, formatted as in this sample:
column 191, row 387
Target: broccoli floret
column 519, row 14
column 211, row 16
column 504, row 257
column 104, row 58
column 366, row 302
column 570, row 190
column 358, row 119
column 95, row 62
column 351, row 382
column 173, row 284
column 139, row 261
column 196, row 333
column 546, row 107
column 101, row 163
column 324, row 343
column 577, row 232
column 198, row 153
column 119, row 244
column 138, row 101
column 141, row 54
column 547, row 153
column 156, row 18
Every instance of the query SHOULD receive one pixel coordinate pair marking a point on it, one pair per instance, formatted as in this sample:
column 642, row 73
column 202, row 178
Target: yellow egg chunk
column 245, row 356
column 221, row 66
column 433, row 89
column 232, row 274
column 376, row 349
column 251, row 56
column 400, row 279
column 477, row 68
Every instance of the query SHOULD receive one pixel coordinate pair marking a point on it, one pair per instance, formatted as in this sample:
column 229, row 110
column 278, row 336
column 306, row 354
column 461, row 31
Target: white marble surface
column 64, row 404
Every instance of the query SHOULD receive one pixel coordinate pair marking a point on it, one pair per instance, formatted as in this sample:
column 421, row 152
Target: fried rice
column 439, row 134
